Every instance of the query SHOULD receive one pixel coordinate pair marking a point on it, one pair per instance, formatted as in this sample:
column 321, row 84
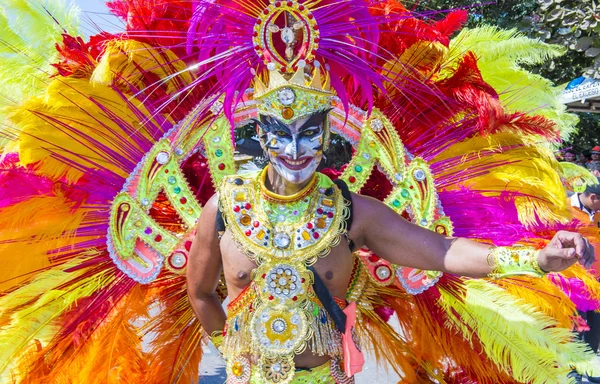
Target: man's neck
column 277, row 184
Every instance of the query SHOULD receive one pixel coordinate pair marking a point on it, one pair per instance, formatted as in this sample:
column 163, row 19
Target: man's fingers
column 590, row 257
column 564, row 253
column 580, row 244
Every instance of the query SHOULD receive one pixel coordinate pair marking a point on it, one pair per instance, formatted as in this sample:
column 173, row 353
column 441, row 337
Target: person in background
column 595, row 162
column 588, row 202
column 570, row 157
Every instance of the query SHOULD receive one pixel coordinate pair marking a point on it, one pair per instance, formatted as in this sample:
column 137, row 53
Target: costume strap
column 333, row 309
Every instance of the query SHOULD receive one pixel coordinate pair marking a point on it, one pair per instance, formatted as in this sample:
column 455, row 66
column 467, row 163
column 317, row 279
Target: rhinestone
column 172, row 180
column 398, row 177
column 216, row 140
column 276, row 367
column 281, row 218
column 288, row 272
column 178, row 261
column 366, row 156
column 286, row 96
column 216, row 107
column 145, row 201
column 376, row 125
column 279, row 271
column 273, row 284
column 419, row 175
column 424, row 222
column 279, row 326
column 278, row 291
column 383, row 272
column 179, row 151
column 162, row 158
column 282, row 281
column 271, row 66
column 292, row 286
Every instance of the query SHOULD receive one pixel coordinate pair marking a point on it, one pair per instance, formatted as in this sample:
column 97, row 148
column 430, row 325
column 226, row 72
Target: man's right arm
column 204, row 270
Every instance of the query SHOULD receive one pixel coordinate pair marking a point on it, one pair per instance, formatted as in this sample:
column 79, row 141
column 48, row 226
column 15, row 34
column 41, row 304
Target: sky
column 95, row 17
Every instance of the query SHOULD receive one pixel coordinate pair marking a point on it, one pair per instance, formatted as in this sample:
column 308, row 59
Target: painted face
column 296, row 149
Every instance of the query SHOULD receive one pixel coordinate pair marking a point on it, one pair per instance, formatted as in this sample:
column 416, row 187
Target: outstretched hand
column 565, row 249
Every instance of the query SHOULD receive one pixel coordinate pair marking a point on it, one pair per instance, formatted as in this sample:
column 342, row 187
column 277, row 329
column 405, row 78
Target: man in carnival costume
column 288, row 217
column 121, row 193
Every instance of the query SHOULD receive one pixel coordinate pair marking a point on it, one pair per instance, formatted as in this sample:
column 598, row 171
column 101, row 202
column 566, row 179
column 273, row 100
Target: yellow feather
column 85, row 117
column 512, row 163
column 514, row 336
column 129, row 59
column 35, row 322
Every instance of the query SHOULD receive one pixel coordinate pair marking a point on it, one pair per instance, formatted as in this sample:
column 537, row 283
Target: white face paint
column 296, row 149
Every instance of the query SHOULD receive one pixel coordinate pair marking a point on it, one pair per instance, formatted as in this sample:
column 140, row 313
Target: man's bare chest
column 335, row 269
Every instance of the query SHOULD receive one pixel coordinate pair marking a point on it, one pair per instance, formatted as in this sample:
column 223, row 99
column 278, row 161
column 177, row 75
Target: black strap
column 219, row 222
column 346, row 194
column 333, row 309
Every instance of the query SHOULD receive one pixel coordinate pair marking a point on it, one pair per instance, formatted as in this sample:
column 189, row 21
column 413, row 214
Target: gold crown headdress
column 290, row 95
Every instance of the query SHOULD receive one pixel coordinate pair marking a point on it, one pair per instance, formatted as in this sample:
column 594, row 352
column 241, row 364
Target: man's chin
column 295, row 176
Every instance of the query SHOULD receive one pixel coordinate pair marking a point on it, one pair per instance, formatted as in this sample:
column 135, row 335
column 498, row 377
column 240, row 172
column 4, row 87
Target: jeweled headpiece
column 296, row 88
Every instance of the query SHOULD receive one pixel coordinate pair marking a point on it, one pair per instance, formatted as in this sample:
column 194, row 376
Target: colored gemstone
column 321, row 223
column 295, row 298
column 320, row 211
column 248, row 206
column 176, row 189
column 138, row 224
column 374, row 258
column 245, row 220
column 218, row 153
column 238, row 181
column 240, row 196
column 271, row 297
column 188, row 245
column 330, row 214
column 405, row 193
column 327, row 202
column 183, row 200
column 158, row 238
column 306, row 235
column 352, row 179
column 358, row 168
column 172, row 180
column 256, row 224
column 309, row 225
column 396, row 203
column 148, row 231
column 260, row 235
column 316, row 235
column 287, row 113
column 248, row 233
column 236, row 208
column 221, row 167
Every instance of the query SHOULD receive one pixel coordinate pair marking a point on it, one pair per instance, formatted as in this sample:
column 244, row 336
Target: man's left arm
column 391, row 237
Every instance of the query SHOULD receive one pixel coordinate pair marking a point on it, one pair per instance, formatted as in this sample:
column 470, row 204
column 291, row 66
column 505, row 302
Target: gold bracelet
column 514, row 261
column 217, row 338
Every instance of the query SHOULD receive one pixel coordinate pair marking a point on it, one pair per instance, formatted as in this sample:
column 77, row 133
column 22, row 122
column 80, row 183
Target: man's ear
column 594, row 198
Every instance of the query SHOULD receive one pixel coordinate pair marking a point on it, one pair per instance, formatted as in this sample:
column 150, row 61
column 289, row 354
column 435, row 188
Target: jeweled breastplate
column 283, row 237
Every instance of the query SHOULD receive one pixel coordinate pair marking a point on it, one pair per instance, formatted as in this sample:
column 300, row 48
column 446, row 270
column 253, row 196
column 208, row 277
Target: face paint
column 296, row 149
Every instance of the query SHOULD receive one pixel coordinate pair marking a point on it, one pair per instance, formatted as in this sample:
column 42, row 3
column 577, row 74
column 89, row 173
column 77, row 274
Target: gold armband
column 514, row 261
column 217, row 338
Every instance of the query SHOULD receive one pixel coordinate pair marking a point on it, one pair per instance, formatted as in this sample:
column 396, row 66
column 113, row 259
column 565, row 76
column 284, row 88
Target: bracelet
column 217, row 338
column 514, row 261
